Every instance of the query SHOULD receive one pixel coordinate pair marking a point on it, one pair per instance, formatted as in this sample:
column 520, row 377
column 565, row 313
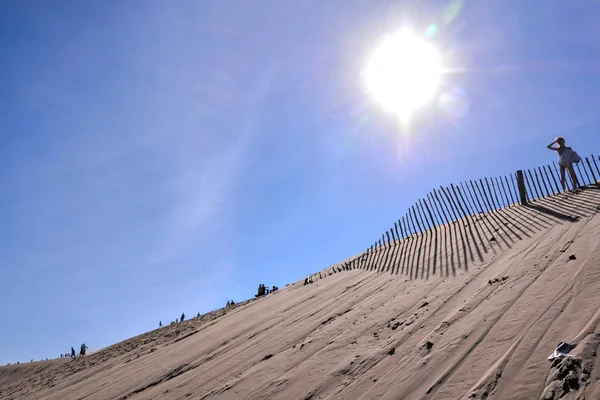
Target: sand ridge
column 471, row 310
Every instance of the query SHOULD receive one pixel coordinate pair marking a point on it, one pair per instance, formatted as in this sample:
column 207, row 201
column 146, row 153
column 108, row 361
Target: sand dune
column 468, row 310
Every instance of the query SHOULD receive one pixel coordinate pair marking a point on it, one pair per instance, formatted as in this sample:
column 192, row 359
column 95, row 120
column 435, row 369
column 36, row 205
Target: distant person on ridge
column 566, row 158
column 182, row 317
column 72, row 353
column 82, row 350
column 160, row 324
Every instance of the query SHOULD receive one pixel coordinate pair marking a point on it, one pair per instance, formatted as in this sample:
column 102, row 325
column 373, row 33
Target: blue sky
column 161, row 157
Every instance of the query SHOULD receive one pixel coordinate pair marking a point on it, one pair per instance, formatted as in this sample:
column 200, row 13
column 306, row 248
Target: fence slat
column 407, row 232
column 458, row 203
column 442, row 207
column 452, row 207
column 466, row 194
column 596, row 165
column 539, row 181
column 506, row 198
column 538, row 192
column 497, row 194
column 411, row 230
column 421, row 216
column 553, row 180
column 543, row 182
column 513, row 196
column 464, row 200
column 487, row 190
column 580, row 177
column 414, row 221
column 438, row 208
column 591, row 170
column 484, row 197
column 473, row 192
column 434, row 210
column 429, row 213
column 402, row 230
column 417, row 218
column 547, row 180
column 421, row 209
column 530, row 184
column 492, row 193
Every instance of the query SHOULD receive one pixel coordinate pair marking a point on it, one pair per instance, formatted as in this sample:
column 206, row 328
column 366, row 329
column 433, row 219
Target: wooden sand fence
column 445, row 205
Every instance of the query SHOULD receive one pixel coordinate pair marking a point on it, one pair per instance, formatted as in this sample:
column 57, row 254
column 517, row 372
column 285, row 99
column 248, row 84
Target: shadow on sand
column 457, row 242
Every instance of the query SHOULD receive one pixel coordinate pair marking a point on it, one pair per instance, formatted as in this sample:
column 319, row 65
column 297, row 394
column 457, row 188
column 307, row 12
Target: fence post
column 521, row 186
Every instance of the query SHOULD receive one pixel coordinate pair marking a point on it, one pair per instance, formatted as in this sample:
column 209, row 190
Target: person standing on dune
column 83, row 350
column 566, row 158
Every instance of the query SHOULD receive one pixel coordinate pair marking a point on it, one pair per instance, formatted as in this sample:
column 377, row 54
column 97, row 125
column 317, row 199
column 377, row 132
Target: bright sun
column 403, row 73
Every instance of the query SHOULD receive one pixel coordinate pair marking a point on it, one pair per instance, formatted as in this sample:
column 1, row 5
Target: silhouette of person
column 160, row 324
column 72, row 353
column 176, row 320
column 566, row 158
column 228, row 303
column 182, row 317
column 82, row 350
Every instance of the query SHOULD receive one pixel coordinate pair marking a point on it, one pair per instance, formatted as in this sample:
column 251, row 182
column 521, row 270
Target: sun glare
column 403, row 73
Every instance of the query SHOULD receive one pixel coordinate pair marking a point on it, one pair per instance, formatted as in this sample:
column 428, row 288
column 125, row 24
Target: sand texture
column 471, row 310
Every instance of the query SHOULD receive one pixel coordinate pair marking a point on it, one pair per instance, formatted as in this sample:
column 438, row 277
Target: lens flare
column 454, row 103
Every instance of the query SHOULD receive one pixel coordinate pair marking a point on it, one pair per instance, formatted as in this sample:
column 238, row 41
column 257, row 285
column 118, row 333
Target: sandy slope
column 492, row 295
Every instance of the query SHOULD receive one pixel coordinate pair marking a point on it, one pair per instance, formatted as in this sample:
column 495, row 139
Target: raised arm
column 550, row 147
